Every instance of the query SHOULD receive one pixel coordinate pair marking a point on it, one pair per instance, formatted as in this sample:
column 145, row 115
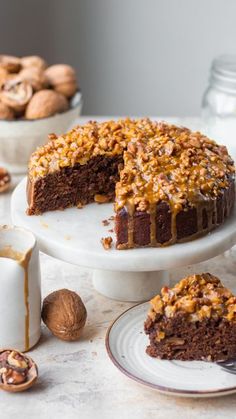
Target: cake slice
column 194, row 320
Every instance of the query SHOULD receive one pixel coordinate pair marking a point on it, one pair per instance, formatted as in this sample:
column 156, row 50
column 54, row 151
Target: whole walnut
column 33, row 61
column 62, row 78
column 35, row 77
column 10, row 63
column 46, row 103
column 64, row 313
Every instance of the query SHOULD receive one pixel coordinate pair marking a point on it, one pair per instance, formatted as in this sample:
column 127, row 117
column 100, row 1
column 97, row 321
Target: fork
column 228, row 366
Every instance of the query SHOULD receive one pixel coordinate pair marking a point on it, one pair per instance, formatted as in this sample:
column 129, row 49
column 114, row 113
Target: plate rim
column 158, row 387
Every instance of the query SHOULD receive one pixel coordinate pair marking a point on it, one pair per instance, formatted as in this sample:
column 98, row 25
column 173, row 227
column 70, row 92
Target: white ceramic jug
column 20, row 289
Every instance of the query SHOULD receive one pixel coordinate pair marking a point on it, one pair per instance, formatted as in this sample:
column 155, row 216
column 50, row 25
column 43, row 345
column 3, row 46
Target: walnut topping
column 106, row 242
column 199, row 296
column 161, row 162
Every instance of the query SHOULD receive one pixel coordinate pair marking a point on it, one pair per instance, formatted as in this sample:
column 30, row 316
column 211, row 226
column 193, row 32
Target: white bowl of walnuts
column 35, row 100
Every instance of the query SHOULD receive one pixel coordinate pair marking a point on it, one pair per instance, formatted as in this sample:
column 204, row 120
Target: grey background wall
column 135, row 57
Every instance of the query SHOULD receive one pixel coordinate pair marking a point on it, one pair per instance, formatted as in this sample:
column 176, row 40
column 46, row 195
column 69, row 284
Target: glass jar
column 219, row 102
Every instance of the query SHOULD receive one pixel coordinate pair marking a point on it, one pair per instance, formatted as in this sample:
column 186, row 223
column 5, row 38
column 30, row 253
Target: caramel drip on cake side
column 25, row 263
column 130, row 209
column 23, row 260
column 153, row 209
column 173, row 227
column 200, row 208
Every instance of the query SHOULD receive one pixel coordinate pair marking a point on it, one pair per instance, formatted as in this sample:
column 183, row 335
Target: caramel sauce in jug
column 23, row 260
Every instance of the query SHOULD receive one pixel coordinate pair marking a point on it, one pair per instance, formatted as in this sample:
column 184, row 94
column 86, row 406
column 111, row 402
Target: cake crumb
column 79, row 205
column 111, row 218
column 106, row 242
column 111, row 230
column 105, row 222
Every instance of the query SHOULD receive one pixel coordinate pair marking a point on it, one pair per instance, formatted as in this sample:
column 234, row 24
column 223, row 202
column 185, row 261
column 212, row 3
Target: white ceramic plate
column 126, row 343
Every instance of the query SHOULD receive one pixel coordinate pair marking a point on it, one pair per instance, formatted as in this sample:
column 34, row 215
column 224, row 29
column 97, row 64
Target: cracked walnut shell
column 16, row 93
column 18, row 372
column 64, row 313
column 35, row 77
column 46, row 103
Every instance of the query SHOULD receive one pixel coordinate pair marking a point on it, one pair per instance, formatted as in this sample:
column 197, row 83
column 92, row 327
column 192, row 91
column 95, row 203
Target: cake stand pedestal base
column 129, row 286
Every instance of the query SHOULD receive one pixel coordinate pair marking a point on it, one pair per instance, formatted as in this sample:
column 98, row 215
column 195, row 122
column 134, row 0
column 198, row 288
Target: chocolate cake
column 169, row 184
column 194, row 320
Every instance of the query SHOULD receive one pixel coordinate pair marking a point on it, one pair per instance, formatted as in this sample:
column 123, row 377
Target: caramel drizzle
column 23, row 260
column 211, row 211
column 153, row 208
column 130, row 210
column 173, row 228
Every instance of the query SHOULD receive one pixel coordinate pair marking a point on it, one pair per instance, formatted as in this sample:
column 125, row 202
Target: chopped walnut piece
column 107, row 242
column 52, row 136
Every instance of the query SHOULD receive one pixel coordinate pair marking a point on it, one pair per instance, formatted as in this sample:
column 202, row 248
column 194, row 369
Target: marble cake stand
column 74, row 236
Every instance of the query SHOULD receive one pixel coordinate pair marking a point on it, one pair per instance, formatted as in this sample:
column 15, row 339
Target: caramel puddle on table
column 23, row 260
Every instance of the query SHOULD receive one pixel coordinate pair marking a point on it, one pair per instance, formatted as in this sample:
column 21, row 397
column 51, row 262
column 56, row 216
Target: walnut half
column 18, row 372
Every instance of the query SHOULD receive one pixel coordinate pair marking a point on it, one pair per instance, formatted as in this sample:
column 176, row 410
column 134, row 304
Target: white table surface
column 77, row 380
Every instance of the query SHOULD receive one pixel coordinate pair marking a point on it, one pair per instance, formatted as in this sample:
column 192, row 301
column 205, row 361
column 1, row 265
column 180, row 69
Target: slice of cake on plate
column 194, row 320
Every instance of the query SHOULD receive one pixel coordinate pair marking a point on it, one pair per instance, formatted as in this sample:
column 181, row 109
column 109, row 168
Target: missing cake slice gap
column 194, row 320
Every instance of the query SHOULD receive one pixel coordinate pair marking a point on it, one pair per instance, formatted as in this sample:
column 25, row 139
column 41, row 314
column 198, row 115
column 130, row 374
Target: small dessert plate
column 126, row 343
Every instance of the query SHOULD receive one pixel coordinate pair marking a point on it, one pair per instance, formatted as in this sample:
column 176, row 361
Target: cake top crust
column 162, row 162
column 86, row 141
column 199, row 296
